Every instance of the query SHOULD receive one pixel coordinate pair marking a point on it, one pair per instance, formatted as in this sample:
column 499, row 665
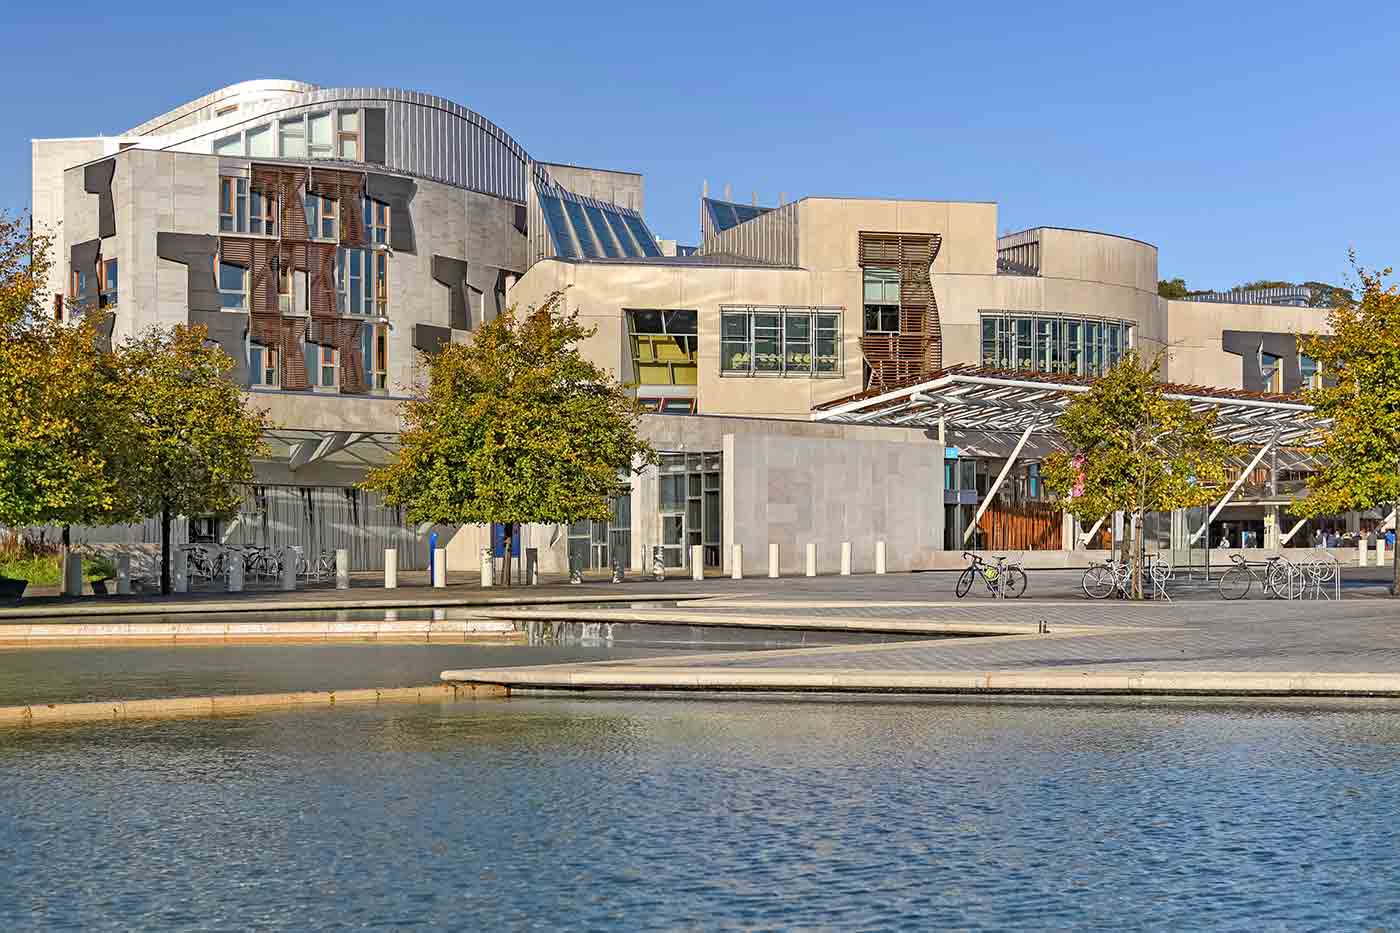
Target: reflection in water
column 603, row 813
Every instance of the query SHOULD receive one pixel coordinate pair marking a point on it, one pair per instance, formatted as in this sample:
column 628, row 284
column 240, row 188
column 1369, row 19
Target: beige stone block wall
column 49, row 161
column 1194, row 330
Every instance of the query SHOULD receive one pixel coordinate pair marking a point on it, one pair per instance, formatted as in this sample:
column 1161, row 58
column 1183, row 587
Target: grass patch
column 42, row 570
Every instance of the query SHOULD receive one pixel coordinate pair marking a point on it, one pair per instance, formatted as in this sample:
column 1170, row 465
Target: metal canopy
column 356, row 449
column 1010, row 401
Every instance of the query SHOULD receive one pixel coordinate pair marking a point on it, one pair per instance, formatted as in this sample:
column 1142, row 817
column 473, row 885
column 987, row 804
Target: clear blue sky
column 1245, row 139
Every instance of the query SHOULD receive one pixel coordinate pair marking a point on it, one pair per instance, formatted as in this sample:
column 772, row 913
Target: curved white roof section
column 425, row 135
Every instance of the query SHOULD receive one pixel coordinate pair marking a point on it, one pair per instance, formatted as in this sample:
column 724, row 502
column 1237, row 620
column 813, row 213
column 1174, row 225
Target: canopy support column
column 1239, row 481
column 1001, row 477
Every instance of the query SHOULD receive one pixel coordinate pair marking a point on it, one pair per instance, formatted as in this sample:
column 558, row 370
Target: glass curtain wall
column 690, row 507
column 1053, row 343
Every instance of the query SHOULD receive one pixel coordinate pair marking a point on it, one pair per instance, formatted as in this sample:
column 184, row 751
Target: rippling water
column 601, row 813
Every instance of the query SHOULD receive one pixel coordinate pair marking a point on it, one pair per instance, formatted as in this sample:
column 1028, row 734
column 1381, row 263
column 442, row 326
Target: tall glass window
column 1053, row 343
column 292, row 137
column 318, row 126
column 1311, row 370
column 881, row 301
column 1271, row 371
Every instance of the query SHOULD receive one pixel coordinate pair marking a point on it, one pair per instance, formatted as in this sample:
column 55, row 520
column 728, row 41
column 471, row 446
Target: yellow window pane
column 671, row 352
column 654, row 375
column 686, row 375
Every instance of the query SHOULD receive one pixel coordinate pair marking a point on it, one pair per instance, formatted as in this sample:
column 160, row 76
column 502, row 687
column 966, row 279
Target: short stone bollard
column 342, row 569
column 532, row 566
column 290, row 559
column 736, row 563
column 811, row 559
column 391, row 568
column 440, row 567
column 697, row 562
column 73, row 574
column 1380, row 552
column 180, row 572
column 658, row 563
column 774, row 568
column 488, row 568
column 1361, row 552
column 124, row 574
column 879, row 557
column 845, row 558
column 233, row 572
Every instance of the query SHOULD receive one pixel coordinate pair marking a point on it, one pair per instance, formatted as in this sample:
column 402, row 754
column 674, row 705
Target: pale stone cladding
column 1196, row 331
column 175, row 192
column 806, row 254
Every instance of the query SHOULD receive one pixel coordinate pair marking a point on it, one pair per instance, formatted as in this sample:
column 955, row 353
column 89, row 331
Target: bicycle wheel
column 1098, row 583
column 1235, row 583
column 1014, row 582
column 964, row 583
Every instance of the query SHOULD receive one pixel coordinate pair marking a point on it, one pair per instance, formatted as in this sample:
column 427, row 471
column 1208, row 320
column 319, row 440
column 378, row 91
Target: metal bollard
column 879, row 557
column 1361, row 552
column 697, row 562
column 488, row 569
column 233, row 572
column 124, row 574
column 658, row 563
column 532, row 566
column 845, row 558
column 342, row 569
column 774, row 569
column 391, row 568
column 440, row 567
column 290, row 558
column 736, row 563
column 180, row 572
column 811, row 559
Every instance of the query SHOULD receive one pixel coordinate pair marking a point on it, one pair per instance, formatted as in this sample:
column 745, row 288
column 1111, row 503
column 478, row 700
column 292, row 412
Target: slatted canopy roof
column 1014, row 401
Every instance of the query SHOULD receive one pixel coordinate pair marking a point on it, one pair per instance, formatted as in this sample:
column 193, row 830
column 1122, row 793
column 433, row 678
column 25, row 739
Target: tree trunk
column 509, row 538
column 1139, row 546
column 1395, row 564
column 165, row 548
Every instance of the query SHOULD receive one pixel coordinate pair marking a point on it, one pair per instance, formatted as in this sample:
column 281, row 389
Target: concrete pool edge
column 583, row 678
column 41, row 634
column 178, row 707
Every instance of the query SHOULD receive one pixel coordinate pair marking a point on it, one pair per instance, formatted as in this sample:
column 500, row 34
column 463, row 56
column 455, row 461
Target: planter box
column 11, row 590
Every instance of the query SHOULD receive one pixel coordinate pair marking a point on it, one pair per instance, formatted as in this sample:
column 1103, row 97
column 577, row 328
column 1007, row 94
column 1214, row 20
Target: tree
column 514, row 427
column 1131, row 449
column 60, row 418
column 1360, row 452
column 191, row 440
column 1172, row 288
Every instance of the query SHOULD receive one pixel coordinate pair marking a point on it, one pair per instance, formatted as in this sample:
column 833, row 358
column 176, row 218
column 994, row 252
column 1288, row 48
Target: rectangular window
column 1271, row 369
column 318, row 136
column 229, row 145
column 79, row 283
column 1093, row 348
column 107, row 282
column 1074, row 348
column 376, row 222
column 262, row 366
column 347, row 135
column 1311, row 370
column 787, row 341
column 321, row 364
column 261, row 214
column 375, row 350
column 664, row 347
column 1024, row 356
column 881, row 289
column 261, row 144
column 292, row 134
column 233, row 287
column 233, row 204
column 322, row 217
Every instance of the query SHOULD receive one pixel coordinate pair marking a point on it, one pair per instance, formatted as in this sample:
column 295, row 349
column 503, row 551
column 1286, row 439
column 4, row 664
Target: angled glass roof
column 587, row 228
column 727, row 214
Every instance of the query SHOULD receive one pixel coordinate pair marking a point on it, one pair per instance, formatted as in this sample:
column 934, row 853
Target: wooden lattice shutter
column 348, row 190
column 285, row 183
column 918, row 348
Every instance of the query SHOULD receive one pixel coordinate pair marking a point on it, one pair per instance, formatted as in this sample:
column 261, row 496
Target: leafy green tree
column 1360, row 451
column 1131, row 449
column 1172, row 288
column 514, row 427
column 60, row 416
column 191, row 440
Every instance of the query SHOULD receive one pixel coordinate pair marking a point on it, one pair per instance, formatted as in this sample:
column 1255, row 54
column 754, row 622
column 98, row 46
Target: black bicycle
column 1003, row 577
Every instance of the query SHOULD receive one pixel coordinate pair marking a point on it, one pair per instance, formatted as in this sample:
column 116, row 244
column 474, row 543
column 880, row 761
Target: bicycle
column 1112, row 576
column 1278, row 576
column 1003, row 579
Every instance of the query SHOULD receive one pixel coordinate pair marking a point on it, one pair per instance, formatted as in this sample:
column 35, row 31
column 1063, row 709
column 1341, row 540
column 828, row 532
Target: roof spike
column 728, row 192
